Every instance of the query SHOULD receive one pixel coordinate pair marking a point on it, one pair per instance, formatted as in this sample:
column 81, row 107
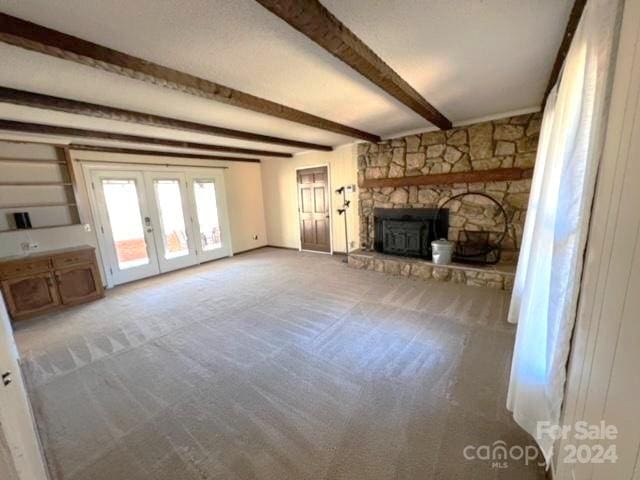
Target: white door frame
column 307, row 167
column 167, row 265
column 199, row 172
column 110, row 259
column 223, row 215
column 17, row 423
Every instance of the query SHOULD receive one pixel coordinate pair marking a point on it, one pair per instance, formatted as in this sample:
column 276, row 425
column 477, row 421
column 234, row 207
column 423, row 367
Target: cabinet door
column 79, row 284
column 30, row 295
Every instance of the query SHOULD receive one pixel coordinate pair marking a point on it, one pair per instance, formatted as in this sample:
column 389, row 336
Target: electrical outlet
column 29, row 246
column 255, row 237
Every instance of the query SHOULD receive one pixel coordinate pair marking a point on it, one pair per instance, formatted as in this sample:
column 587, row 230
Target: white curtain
column 549, row 268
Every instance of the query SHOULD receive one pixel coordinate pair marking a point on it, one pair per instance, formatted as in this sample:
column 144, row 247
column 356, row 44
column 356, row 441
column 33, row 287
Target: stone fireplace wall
column 504, row 143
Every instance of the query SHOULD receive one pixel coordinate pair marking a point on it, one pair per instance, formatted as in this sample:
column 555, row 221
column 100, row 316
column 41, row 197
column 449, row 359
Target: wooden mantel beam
column 48, row 102
column 37, row 38
column 572, row 24
column 477, row 176
column 42, row 129
column 312, row 19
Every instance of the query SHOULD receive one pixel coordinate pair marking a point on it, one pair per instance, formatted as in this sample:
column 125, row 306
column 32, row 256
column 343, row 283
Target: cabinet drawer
column 22, row 268
column 72, row 258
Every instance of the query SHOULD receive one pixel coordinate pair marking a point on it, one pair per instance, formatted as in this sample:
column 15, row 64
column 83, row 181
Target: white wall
column 243, row 183
column 281, row 199
column 48, row 239
column 603, row 380
column 17, row 425
column 244, row 200
column 246, row 205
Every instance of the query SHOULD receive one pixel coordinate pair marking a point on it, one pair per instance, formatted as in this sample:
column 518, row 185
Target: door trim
column 17, row 422
column 223, row 217
column 107, row 249
column 188, row 170
column 330, row 192
column 168, row 265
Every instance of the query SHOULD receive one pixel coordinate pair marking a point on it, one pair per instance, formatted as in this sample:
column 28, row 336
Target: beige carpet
column 274, row 365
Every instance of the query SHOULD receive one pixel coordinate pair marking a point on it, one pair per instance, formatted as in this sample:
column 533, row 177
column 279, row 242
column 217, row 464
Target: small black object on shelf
column 22, row 220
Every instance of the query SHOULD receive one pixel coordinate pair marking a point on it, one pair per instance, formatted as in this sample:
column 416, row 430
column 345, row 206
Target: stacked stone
column 503, row 143
column 425, row 271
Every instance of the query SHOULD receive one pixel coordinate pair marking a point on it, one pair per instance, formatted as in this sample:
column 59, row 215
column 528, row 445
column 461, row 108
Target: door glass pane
column 174, row 231
column 207, row 209
column 121, row 198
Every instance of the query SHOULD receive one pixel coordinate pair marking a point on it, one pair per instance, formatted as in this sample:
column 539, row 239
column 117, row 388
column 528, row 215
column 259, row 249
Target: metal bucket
column 442, row 251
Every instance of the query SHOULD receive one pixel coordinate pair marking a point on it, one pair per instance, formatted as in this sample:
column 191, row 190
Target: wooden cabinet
column 48, row 281
column 78, row 284
column 31, row 295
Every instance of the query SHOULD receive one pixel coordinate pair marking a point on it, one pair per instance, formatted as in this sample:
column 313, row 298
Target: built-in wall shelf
column 37, row 179
column 27, row 230
column 32, row 160
column 37, row 205
column 35, row 184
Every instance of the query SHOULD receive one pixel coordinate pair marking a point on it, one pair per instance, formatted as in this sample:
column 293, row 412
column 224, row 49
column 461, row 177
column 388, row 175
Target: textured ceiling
column 469, row 58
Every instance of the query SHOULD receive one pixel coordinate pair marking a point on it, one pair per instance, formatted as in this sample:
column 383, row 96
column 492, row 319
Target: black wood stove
column 409, row 231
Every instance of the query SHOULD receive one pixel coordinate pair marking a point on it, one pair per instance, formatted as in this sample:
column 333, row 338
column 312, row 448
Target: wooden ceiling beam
column 156, row 153
column 42, row 129
column 76, row 107
column 572, row 24
column 37, row 38
column 312, row 19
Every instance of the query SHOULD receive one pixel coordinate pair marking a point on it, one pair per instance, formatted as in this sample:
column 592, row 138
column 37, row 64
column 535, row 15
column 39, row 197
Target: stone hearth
column 499, row 276
column 498, row 144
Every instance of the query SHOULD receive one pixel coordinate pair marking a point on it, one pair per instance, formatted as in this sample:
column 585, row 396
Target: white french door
column 125, row 225
column 173, row 238
column 209, row 218
column 156, row 221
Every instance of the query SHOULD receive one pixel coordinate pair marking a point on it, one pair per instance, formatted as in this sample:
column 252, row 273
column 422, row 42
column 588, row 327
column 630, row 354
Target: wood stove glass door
column 314, row 210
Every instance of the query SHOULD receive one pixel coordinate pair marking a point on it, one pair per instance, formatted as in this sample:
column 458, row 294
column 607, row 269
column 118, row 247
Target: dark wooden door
column 79, row 284
column 313, row 205
column 30, row 295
